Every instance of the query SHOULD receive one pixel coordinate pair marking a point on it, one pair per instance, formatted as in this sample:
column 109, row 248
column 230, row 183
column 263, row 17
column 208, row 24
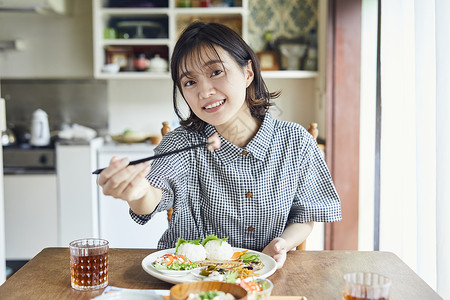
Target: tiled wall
column 285, row 18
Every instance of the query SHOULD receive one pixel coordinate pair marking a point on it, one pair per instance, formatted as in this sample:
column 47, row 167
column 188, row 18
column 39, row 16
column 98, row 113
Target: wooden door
column 342, row 121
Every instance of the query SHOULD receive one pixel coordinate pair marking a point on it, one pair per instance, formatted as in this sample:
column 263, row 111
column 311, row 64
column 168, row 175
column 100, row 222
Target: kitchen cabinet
column 31, row 216
column 77, row 189
column 115, row 223
column 122, row 33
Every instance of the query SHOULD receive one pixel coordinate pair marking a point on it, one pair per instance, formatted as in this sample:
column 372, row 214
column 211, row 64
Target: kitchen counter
column 114, row 218
column 133, row 147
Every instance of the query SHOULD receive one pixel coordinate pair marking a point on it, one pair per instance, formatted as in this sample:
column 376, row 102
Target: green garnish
column 231, row 277
column 264, row 285
column 209, row 295
column 176, row 266
column 181, row 241
column 212, row 237
column 249, row 257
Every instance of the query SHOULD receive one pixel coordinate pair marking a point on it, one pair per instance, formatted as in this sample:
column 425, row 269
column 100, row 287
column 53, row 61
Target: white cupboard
column 31, row 216
column 115, row 223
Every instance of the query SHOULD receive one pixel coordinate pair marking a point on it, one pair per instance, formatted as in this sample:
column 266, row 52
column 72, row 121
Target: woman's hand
column 277, row 250
column 122, row 181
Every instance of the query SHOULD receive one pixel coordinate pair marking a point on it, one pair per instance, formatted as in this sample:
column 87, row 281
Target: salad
column 174, row 263
column 242, row 265
column 211, row 295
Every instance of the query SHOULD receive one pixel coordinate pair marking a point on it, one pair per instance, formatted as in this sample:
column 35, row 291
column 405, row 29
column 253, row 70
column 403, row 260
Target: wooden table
column 314, row 274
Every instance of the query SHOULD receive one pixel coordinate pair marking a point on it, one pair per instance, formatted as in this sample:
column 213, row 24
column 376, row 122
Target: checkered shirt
column 247, row 194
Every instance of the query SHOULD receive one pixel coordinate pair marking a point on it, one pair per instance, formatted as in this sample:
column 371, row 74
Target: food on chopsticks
column 174, row 263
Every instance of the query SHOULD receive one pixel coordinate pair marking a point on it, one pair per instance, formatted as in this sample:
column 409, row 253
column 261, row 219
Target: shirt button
column 251, row 228
column 244, row 152
column 249, row 195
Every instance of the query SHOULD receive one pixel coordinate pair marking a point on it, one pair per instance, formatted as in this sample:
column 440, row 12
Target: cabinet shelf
column 176, row 18
column 134, row 11
column 210, row 11
column 135, row 42
column 171, row 18
column 284, row 74
column 135, row 75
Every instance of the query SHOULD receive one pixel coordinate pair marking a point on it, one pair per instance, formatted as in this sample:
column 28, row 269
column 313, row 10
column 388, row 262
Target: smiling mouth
column 218, row 103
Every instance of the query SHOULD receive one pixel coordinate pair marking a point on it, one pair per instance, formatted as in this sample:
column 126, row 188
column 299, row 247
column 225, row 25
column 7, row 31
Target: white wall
column 2, row 207
column 367, row 124
column 139, row 105
column 297, row 101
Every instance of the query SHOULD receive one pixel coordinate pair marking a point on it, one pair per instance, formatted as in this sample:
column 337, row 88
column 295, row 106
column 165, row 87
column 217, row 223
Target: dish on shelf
column 132, row 137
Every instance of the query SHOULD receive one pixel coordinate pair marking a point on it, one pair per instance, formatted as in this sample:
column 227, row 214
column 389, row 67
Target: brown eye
column 217, row 72
column 189, row 83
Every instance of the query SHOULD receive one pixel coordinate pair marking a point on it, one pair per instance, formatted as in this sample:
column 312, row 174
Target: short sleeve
column 167, row 173
column 316, row 198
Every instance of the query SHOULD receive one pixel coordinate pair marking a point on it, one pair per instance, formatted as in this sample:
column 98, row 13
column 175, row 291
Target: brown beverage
column 366, row 286
column 89, row 270
column 348, row 297
column 89, row 264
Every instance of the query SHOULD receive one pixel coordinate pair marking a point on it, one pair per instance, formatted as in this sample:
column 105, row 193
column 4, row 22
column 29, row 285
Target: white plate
column 128, row 295
column 171, row 272
column 270, row 266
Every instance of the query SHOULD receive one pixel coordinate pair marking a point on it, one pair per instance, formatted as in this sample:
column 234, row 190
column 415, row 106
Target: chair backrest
column 165, row 129
column 314, row 131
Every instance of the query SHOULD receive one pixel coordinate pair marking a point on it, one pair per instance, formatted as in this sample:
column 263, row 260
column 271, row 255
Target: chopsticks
column 135, row 162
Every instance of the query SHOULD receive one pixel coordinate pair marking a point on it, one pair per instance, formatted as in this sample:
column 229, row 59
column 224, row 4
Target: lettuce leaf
column 249, row 257
column 181, row 241
column 212, row 237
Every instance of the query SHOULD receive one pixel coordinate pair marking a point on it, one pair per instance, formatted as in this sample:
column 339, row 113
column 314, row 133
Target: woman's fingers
column 280, row 259
column 116, row 164
column 138, row 186
column 122, row 178
column 124, row 181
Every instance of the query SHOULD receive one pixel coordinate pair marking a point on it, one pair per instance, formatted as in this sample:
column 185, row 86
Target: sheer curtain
column 415, row 137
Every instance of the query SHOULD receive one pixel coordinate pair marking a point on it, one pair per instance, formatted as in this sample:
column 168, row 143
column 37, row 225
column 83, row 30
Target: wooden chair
column 315, row 133
column 165, row 129
column 312, row 130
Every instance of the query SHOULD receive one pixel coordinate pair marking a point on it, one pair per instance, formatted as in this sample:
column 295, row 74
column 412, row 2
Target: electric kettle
column 40, row 131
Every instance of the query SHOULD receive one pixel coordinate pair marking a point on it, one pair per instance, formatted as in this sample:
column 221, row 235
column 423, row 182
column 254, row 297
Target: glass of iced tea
column 365, row 286
column 89, row 263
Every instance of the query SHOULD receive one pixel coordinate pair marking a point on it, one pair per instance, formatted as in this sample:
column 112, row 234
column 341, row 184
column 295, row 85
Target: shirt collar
column 257, row 147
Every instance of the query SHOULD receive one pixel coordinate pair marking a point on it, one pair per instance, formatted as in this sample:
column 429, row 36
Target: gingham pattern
column 208, row 191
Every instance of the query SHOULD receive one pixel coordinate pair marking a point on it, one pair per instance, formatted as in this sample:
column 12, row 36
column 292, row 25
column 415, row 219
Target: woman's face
column 215, row 89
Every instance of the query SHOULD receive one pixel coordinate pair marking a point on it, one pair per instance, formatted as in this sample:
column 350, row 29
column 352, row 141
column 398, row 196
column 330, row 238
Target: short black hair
column 199, row 36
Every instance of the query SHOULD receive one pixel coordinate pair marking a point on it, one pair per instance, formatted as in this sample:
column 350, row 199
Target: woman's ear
column 249, row 74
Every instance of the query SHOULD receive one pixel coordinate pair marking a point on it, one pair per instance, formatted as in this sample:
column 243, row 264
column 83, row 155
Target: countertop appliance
column 25, row 159
column 40, row 130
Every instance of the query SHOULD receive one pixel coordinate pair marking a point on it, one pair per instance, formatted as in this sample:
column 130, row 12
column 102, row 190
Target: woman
column 263, row 188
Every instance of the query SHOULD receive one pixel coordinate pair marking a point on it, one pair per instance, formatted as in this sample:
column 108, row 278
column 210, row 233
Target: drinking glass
column 365, row 286
column 267, row 286
column 89, row 263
